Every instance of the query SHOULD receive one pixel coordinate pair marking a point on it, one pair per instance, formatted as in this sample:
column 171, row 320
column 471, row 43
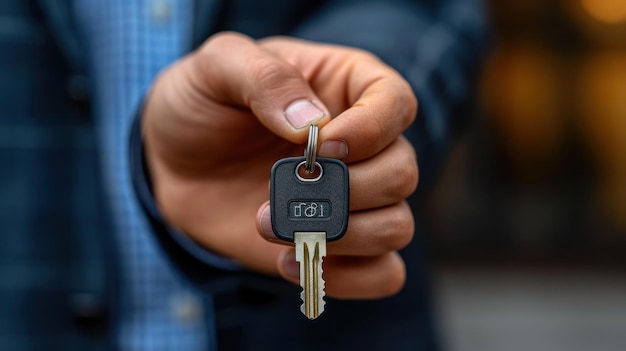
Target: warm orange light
column 522, row 97
column 602, row 102
column 607, row 11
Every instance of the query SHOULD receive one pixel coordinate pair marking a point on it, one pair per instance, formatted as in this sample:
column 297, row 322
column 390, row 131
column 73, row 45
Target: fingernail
column 265, row 224
column 334, row 149
column 302, row 112
column 291, row 268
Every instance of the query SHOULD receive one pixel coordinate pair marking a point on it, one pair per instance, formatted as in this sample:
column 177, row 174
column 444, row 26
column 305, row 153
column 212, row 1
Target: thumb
column 233, row 69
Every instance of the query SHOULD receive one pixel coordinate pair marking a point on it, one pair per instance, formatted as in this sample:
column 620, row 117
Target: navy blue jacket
column 53, row 223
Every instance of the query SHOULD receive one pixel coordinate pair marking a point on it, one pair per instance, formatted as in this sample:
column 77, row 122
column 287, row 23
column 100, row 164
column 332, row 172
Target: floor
column 531, row 309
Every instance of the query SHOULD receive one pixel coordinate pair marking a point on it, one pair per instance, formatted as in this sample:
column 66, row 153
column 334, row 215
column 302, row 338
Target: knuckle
column 269, row 73
column 376, row 132
column 214, row 45
column 358, row 55
column 402, row 108
column 395, row 278
column 406, row 103
column 400, row 228
column 410, row 102
column 364, row 55
column 405, row 177
column 223, row 40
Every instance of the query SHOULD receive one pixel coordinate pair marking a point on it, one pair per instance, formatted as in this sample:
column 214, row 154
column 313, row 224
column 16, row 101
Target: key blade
column 310, row 250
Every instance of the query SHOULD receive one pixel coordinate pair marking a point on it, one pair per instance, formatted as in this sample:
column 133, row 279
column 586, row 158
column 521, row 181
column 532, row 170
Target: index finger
column 371, row 102
column 377, row 116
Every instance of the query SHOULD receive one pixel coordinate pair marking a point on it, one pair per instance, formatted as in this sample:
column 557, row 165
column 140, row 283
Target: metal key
column 309, row 209
column 310, row 252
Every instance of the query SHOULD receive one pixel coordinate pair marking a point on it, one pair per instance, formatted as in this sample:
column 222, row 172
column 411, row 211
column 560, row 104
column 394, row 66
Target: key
column 310, row 209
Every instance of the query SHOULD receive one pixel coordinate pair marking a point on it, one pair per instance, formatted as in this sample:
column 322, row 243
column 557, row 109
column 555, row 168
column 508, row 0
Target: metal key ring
column 310, row 152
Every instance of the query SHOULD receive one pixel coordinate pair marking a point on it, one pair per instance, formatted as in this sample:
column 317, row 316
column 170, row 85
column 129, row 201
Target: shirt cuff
column 189, row 256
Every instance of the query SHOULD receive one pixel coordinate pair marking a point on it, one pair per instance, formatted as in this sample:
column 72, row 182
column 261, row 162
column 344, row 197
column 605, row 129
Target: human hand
column 216, row 121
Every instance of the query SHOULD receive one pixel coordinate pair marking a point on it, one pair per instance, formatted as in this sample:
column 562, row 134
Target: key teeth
column 310, row 251
column 321, row 303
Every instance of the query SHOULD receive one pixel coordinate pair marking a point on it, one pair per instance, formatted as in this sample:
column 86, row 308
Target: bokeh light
column 522, row 98
column 607, row 11
column 602, row 99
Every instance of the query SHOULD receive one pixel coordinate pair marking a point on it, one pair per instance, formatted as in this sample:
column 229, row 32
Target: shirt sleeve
column 180, row 247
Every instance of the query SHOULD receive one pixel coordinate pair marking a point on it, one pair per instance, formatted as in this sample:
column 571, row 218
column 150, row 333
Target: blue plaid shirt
column 130, row 42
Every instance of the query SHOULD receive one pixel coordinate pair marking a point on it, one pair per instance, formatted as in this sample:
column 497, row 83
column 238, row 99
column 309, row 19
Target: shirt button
column 161, row 11
column 187, row 308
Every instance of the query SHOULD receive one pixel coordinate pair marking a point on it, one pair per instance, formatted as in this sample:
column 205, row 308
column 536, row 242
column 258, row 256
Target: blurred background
column 528, row 220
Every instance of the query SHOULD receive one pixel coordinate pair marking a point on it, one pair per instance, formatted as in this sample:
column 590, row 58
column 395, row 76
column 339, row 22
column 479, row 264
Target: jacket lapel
column 59, row 15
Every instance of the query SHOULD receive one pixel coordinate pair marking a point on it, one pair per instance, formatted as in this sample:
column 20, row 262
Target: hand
column 216, row 121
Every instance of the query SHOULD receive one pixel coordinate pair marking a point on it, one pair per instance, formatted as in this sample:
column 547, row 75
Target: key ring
column 310, row 152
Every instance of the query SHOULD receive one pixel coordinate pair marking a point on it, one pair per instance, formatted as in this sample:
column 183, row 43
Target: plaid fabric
column 130, row 42
column 52, row 221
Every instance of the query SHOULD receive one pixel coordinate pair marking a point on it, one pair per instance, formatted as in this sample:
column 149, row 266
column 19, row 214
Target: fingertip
column 264, row 222
column 337, row 149
column 288, row 267
column 397, row 277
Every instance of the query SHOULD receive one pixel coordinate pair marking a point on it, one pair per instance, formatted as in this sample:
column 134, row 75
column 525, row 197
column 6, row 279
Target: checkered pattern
column 130, row 42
